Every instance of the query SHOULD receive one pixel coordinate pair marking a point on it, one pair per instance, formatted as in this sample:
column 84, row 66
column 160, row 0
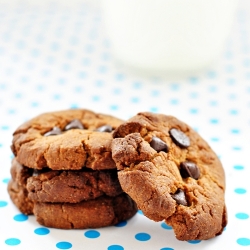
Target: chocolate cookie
column 101, row 212
column 73, row 186
column 66, row 140
column 172, row 174
column 65, row 185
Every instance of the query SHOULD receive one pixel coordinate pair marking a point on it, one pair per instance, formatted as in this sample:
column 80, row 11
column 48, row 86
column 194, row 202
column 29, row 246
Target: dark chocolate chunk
column 158, row 145
column 74, row 124
column 189, row 169
column 54, row 131
column 180, row 197
column 105, row 128
column 179, row 138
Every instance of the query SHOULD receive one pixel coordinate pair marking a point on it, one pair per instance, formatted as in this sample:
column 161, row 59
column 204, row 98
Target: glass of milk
column 168, row 35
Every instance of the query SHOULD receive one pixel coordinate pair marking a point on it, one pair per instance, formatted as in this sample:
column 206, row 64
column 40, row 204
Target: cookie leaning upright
column 79, row 141
column 172, row 174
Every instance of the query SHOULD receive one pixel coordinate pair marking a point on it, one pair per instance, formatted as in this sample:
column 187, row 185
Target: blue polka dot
column 20, row 44
column 193, row 95
column 34, row 104
column 165, row 226
column 96, row 98
column 70, row 54
column 236, row 148
column 243, row 241
column 114, row 107
column 240, row 191
column 102, row 69
column 50, row 59
column 233, row 112
column 137, row 85
column 235, row 131
column 115, row 247
column 215, row 139
column 155, row 93
column 193, row 80
column 142, row 236
column 6, row 180
column 3, row 86
column 63, row 245
column 119, row 77
column 194, row 241
column 212, row 89
column 20, row 217
column 213, row 103
column 140, row 212
column 153, row 109
column 174, row 101
column 66, row 67
column 214, row 121
column 74, row 106
column 4, row 127
column 105, row 56
column 82, row 74
column 61, row 81
column 99, row 83
column 242, row 216
column 229, row 68
column 12, row 241
column 238, row 167
column 134, row 99
column 92, row 234
column 35, row 52
column 41, row 231
column 56, row 97
column 212, row 74
column 73, row 40
column 193, row 111
column 18, row 95
column 3, row 203
column 166, row 248
column 232, row 96
column 231, row 81
column 54, row 46
column 89, row 48
column 86, row 61
column 174, row 86
column 121, row 224
column 117, row 91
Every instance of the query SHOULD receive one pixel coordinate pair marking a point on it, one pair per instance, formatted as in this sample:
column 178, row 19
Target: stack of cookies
column 63, row 171
column 78, row 169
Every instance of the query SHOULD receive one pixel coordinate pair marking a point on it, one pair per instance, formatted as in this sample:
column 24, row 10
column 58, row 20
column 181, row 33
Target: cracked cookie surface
column 172, row 174
column 63, row 140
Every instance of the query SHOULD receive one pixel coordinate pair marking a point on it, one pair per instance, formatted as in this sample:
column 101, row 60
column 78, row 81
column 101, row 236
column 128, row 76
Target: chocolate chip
column 189, row 169
column 158, row 145
column 74, row 124
column 105, row 128
column 54, row 131
column 180, row 197
column 179, row 138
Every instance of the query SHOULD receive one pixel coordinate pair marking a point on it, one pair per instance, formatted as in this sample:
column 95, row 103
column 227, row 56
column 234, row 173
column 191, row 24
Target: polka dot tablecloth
column 56, row 56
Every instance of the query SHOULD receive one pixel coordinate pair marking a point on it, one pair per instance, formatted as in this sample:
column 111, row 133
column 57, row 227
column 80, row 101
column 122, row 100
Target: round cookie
column 66, row 140
column 65, row 185
column 172, row 174
column 73, row 186
column 19, row 196
column 101, row 212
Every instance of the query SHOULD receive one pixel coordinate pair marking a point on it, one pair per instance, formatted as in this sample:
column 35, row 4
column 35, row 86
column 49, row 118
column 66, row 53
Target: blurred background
column 187, row 59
